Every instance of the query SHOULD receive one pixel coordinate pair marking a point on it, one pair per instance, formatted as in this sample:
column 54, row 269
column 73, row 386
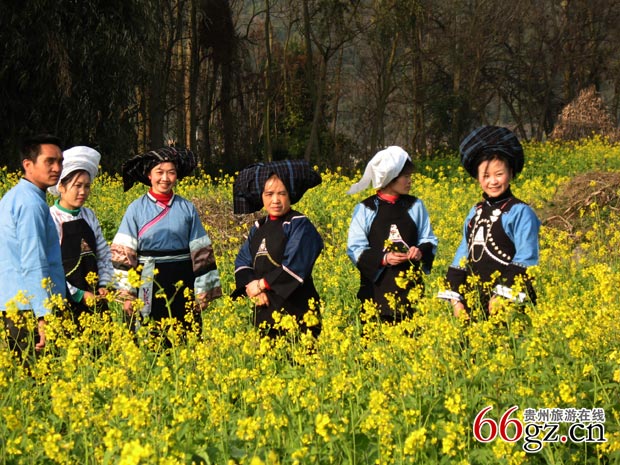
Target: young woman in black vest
column 500, row 234
column 390, row 236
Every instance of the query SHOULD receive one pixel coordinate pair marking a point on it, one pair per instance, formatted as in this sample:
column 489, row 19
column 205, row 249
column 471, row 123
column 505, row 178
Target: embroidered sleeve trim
column 507, row 293
column 449, row 295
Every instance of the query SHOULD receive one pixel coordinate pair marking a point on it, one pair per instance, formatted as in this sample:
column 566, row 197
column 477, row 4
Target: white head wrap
column 383, row 168
column 77, row 158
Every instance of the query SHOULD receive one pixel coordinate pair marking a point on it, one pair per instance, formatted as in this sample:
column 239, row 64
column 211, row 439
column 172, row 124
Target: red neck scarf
column 387, row 197
column 163, row 198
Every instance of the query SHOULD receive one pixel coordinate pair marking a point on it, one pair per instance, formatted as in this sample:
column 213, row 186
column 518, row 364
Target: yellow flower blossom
column 321, row 424
column 454, row 402
column 415, row 441
column 247, row 428
column 135, row 452
column 454, row 439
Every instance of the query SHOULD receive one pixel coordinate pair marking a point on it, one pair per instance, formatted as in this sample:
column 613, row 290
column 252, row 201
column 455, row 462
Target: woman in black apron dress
column 391, row 241
column 85, row 253
column 274, row 265
column 500, row 233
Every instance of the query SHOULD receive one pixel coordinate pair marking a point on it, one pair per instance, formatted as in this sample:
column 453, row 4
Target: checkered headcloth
column 297, row 175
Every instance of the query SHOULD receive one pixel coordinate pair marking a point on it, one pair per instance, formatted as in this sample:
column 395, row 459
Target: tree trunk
column 312, row 147
column 311, row 83
column 267, row 100
column 156, row 114
column 337, row 91
column 194, row 78
column 207, row 108
column 384, row 89
column 228, row 121
column 419, row 131
column 180, row 91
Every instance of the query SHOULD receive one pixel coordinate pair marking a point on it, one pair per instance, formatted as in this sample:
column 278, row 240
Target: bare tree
column 327, row 27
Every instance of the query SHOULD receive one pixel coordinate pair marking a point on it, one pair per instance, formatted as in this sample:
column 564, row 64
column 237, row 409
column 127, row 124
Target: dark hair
column 490, row 156
column 31, row 147
column 153, row 163
column 407, row 169
column 72, row 175
column 275, row 175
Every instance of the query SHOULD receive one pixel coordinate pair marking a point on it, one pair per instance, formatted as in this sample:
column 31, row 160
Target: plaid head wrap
column 138, row 168
column 297, row 176
column 488, row 140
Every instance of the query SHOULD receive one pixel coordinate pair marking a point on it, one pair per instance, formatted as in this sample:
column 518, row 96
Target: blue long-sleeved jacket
column 521, row 225
column 30, row 251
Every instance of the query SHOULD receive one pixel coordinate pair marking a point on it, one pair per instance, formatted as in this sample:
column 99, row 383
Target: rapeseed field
column 531, row 385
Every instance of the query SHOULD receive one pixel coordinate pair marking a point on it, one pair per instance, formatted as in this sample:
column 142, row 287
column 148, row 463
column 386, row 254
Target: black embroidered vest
column 489, row 247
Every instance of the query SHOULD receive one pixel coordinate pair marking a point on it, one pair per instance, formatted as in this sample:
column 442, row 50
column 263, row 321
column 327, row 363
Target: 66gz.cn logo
column 534, row 434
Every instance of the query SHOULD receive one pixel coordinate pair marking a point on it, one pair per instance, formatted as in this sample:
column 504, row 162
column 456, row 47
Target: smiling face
column 494, row 177
column 45, row 170
column 74, row 191
column 275, row 197
column 163, row 177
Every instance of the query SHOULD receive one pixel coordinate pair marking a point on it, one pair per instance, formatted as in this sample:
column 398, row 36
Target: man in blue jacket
column 30, row 254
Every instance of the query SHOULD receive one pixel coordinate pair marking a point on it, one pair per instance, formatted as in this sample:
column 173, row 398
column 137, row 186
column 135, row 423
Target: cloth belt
column 145, row 292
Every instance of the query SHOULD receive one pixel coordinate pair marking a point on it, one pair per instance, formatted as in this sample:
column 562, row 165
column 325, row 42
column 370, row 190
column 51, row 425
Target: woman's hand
column 88, row 297
column 256, row 291
column 458, row 309
column 254, row 288
column 493, row 304
column 396, row 258
column 41, row 328
column 201, row 302
column 128, row 307
column 414, row 254
column 261, row 299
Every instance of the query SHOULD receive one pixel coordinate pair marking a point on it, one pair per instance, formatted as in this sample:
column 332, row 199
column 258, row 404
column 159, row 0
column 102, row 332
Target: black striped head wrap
column 138, row 168
column 491, row 140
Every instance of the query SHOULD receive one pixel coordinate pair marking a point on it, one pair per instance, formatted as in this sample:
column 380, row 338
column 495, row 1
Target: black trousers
column 19, row 338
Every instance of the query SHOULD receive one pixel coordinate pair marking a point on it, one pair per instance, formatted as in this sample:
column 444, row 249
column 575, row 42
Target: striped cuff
column 506, row 292
column 449, row 295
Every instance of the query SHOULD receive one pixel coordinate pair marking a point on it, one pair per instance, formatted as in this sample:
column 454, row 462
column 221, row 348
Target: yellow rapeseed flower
column 321, row 424
column 454, row 402
column 415, row 441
